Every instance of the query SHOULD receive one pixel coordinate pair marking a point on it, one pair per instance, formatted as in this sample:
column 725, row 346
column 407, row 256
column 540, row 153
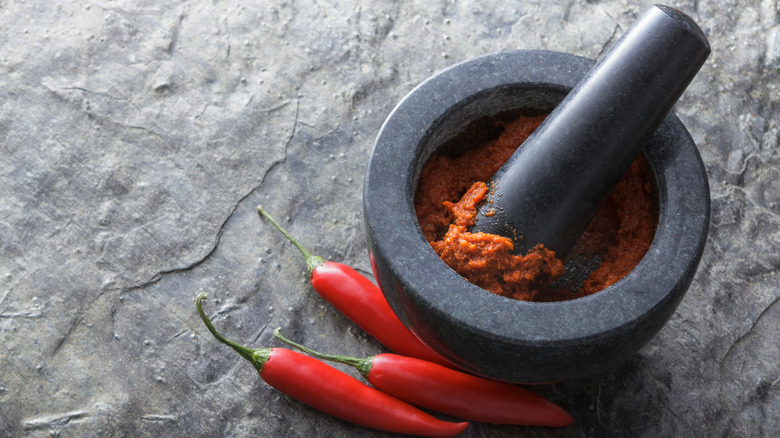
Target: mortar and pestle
column 601, row 118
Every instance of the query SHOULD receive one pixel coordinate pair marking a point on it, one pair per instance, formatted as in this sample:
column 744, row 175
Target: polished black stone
column 549, row 190
column 496, row 336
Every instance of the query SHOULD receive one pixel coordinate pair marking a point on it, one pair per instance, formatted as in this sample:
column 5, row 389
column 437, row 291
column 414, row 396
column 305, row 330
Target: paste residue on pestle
column 452, row 186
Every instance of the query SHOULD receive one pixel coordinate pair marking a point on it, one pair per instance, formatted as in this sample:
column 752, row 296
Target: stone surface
column 136, row 139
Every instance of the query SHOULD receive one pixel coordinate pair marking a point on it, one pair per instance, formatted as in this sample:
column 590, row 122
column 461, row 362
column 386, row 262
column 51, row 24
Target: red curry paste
column 452, row 186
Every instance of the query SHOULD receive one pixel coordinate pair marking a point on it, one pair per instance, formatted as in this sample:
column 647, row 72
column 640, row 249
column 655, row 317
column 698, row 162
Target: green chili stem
column 312, row 261
column 256, row 357
column 362, row 365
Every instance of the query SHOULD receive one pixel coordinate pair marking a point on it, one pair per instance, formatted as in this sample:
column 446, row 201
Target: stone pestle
column 550, row 188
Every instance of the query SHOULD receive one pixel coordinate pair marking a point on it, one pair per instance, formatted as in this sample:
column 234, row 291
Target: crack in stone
column 227, row 38
column 140, row 128
column 174, row 36
column 750, row 331
column 7, row 291
column 86, row 91
column 159, row 417
column 607, row 43
column 29, row 314
column 161, row 274
column 54, row 422
column 73, row 324
column 177, row 335
column 80, row 312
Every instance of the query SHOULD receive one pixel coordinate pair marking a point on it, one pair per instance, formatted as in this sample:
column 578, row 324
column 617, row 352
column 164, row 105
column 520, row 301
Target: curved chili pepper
column 445, row 390
column 336, row 393
column 360, row 300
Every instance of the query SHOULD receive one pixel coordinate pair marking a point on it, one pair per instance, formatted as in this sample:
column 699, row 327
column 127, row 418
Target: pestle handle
column 551, row 188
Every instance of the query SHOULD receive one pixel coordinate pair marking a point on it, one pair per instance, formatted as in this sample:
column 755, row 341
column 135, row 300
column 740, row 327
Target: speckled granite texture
column 136, row 139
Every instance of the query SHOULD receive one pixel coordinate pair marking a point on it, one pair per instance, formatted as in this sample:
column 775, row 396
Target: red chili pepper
column 336, row 393
column 360, row 300
column 445, row 390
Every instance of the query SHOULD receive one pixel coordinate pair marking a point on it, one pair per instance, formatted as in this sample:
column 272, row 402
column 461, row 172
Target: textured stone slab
column 136, row 140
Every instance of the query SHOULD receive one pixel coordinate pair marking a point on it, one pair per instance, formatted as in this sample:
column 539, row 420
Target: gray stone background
column 137, row 137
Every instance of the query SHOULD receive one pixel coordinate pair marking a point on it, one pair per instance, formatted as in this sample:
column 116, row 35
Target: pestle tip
column 686, row 21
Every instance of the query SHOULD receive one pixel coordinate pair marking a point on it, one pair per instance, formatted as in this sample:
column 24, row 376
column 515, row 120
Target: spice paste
column 452, row 186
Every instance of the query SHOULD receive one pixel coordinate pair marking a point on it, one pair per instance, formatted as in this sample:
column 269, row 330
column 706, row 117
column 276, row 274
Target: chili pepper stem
column 312, row 261
column 257, row 357
column 362, row 365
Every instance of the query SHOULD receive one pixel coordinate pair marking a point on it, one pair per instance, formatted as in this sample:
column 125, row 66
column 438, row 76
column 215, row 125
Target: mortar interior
column 582, row 261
